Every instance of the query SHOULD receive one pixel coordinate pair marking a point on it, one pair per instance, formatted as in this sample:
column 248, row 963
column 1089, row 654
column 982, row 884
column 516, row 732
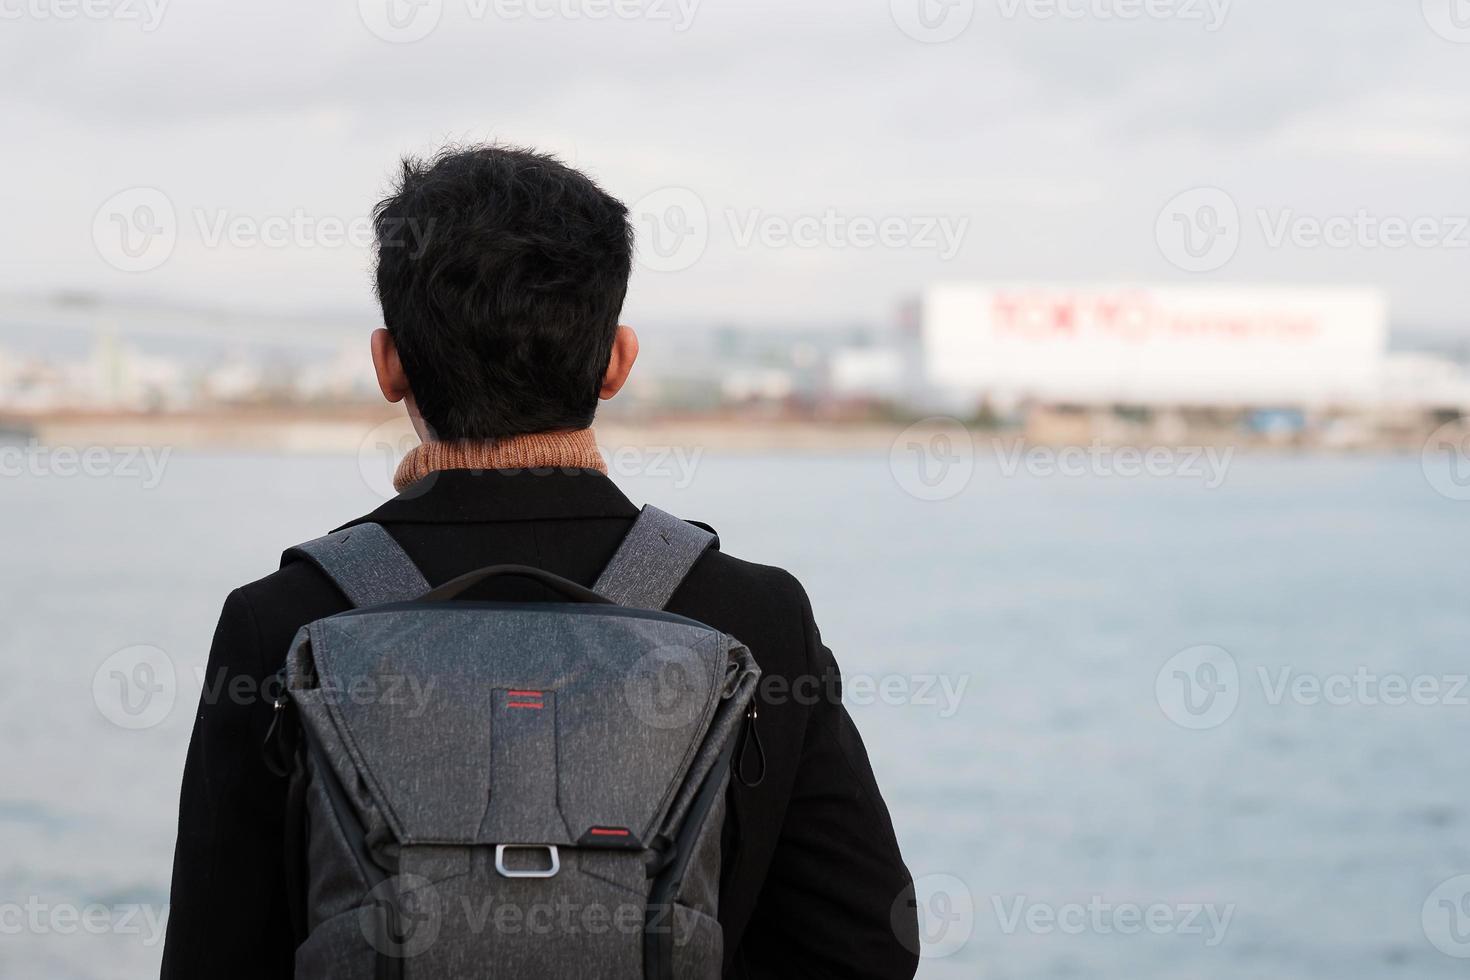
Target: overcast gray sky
column 803, row 160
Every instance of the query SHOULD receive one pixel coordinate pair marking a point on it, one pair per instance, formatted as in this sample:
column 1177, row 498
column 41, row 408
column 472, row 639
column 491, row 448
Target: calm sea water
column 1061, row 820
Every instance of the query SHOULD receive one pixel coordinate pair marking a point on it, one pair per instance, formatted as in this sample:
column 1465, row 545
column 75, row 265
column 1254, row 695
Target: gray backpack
column 508, row 789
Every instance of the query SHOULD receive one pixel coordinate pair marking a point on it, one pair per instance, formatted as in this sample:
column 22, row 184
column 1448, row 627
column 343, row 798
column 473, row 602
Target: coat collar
column 472, row 496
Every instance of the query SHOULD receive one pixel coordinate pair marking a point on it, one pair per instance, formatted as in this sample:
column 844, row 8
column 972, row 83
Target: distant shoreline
column 345, row 431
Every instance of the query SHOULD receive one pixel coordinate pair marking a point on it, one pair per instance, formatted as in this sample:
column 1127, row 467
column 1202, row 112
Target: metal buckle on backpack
column 505, row 872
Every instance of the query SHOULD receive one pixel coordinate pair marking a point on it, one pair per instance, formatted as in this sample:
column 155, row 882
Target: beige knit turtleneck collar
column 569, row 449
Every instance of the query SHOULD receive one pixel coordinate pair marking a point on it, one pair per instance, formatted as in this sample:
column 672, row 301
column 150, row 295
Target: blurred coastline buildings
column 1114, row 361
column 1053, row 363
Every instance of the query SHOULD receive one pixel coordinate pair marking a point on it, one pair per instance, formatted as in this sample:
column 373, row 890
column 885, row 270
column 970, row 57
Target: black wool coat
column 813, row 885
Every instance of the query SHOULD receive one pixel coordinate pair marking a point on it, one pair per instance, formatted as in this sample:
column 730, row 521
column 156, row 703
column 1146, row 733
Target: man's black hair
column 501, row 274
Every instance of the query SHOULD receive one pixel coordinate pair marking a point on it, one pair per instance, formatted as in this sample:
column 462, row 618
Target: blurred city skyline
column 988, row 351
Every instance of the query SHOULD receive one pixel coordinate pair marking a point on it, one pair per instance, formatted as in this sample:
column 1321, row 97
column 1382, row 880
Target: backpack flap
column 472, row 723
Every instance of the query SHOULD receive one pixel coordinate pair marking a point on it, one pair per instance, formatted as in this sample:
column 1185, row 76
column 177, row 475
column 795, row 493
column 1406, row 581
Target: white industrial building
column 1225, row 345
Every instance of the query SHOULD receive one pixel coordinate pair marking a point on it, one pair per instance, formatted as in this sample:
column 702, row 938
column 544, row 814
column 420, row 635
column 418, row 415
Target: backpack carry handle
column 567, row 588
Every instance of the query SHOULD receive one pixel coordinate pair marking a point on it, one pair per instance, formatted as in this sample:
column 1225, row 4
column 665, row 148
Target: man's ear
column 391, row 379
column 624, row 353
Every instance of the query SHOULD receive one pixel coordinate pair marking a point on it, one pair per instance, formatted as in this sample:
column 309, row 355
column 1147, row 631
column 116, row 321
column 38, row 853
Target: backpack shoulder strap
column 365, row 563
column 656, row 554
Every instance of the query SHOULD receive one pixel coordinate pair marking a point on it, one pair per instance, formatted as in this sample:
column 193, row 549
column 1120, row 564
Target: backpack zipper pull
column 274, row 748
column 750, row 735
